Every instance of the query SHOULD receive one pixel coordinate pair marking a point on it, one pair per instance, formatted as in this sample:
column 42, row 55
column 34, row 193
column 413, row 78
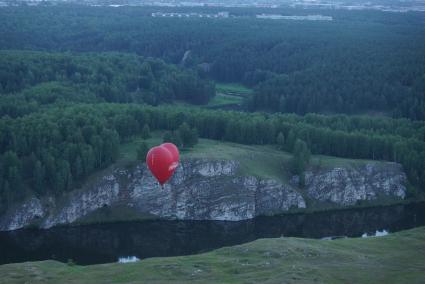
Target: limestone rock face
column 346, row 186
column 207, row 190
column 22, row 215
column 82, row 203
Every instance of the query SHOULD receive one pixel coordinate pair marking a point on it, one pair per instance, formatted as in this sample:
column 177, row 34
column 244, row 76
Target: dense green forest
column 124, row 78
column 362, row 61
column 77, row 82
column 55, row 149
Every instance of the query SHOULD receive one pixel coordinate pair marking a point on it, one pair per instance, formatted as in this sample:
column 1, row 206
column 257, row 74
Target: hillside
column 264, row 161
column 215, row 180
column 397, row 258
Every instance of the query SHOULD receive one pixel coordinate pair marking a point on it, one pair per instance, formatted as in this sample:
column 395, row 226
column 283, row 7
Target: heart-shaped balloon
column 174, row 151
column 162, row 162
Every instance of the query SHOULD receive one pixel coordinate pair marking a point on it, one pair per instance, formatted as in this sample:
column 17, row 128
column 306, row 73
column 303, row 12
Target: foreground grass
column 397, row 258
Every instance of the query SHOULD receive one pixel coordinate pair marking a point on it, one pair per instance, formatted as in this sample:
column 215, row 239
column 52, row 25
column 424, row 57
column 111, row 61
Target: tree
column 77, row 168
column 290, row 140
column 12, row 171
column 189, row 137
column 7, row 193
column 167, row 137
column 172, row 137
column 142, row 151
column 63, row 176
column 146, row 132
column 300, row 159
column 195, row 137
column 39, row 173
column 280, row 141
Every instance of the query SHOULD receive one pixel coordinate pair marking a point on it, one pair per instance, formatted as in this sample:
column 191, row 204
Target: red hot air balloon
column 174, row 151
column 162, row 162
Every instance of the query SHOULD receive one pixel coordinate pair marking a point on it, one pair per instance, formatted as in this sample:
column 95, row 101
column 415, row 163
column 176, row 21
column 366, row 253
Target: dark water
column 106, row 243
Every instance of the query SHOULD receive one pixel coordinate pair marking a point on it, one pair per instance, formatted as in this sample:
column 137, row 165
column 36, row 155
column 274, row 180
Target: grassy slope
column 257, row 160
column 232, row 88
column 229, row 94
column 397, row 258
column 223, row 99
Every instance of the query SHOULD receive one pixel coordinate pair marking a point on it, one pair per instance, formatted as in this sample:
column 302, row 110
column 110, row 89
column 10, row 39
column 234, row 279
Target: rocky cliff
column 347, row 186
column 209, row 190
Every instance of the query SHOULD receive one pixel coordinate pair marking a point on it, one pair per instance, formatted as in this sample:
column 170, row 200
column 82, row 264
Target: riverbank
column 118, row 214
column 165, row 238
column 396, row 258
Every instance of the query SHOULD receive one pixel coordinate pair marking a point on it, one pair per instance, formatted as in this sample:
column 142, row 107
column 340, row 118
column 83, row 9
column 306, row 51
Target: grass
column 229, row 95
column 260, row 161
column 226, row 95
column 264, row 161
column 232, row 88
column 224, row 99
column 397, row 258
column 128, row 151
column 329, row 162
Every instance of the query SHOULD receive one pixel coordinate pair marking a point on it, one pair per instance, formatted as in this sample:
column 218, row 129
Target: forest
column 124, row 78
column 77, row 82
column 294, row 66
column 53, row 150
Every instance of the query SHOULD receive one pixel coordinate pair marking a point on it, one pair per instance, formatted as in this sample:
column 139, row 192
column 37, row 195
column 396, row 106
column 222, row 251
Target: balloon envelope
column 160, row 162
column 173, row 149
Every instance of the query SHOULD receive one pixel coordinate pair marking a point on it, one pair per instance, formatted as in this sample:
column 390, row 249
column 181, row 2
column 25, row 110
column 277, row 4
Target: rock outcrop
column 208, row 190
column 22, row 215
column 346, row 186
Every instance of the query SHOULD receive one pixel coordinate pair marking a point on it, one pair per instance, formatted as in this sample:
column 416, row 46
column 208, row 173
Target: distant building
column 300, row 18
column 223, row 14
column 194, row 15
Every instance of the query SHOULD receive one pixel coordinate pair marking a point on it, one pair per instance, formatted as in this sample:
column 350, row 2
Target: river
column 105, row 243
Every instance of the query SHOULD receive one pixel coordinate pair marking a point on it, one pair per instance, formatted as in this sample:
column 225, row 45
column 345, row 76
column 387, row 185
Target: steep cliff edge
column 209, row 190
column 346, row 186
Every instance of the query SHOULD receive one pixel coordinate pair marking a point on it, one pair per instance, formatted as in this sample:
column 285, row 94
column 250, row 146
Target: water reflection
column 106, row 243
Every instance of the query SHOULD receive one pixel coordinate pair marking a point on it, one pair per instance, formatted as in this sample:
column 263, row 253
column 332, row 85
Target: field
column 232, row 89
column 230, row 94
column 224, row 99
column 396, row 258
